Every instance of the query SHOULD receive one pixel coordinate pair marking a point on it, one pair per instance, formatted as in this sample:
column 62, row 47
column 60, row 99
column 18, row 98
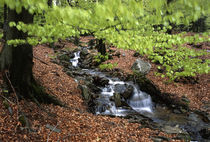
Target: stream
column 109, row 101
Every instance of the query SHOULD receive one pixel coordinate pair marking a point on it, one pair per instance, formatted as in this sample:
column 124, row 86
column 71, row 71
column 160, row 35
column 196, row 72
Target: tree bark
column 101, row 47
column 19, row 61
column 5, row 25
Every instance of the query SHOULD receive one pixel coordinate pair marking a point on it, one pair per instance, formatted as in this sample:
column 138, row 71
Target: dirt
column 74, row 122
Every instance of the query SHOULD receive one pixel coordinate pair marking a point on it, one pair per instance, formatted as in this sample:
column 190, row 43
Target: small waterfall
column 75, row 60
column 139, row 101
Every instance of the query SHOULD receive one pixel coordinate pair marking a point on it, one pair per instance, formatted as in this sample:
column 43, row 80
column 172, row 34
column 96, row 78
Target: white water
column 75, row 61
column 140, row 101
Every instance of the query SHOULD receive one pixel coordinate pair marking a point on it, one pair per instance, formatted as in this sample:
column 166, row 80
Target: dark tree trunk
column 19, row 61
column 101, row 47
column 69, row 2
column 49, row 2
column 5, row 25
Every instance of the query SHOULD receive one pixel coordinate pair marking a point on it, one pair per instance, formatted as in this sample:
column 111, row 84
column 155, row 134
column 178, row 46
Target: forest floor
column 75, row 123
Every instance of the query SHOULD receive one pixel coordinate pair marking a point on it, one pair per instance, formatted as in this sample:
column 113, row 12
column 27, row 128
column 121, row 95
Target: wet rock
column 136, row 54
column 86, row 63
column 84, row 52
column 185, row 99
column 128, row 92
column 101, row 108
column 64, row 57
column 69, row 73
column 71, row 55
column 182, row 136
column 124, row 90
column 117, row 100
column 155, row 139
column 120, row 88
column 205, row 133
column 100, row 81
column 94, row 88
column 85, row 92
column 171, row 130
column 183, row 110
column 176, row 111
column 160, row 138
column 66, row 64
column 141, row 67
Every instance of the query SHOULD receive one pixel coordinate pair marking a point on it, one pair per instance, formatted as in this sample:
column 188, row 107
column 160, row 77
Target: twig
column 40, row 60
column 51, row 132
column 7, row 99
column 13, row 89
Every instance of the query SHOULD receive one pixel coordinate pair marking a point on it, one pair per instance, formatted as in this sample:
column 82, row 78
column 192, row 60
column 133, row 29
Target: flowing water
column 140, row 102
column 75, row 60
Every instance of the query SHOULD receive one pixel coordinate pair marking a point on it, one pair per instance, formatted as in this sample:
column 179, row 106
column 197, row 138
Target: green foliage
column 1, row 35
column 108, row 66
column 101, row 58
column 129, row 24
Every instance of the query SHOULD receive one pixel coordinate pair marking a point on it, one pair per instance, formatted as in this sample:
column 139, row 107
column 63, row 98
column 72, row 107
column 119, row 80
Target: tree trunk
column 101, row 47
column 5, row 25
column 19, row 61
column 49, row 2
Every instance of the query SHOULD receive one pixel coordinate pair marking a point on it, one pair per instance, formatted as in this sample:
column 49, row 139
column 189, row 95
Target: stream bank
column 167, row 115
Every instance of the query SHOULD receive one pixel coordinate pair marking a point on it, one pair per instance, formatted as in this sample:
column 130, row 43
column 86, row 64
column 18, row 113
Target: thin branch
column 51, row 132
column 7, row 99
column 13, row 89
column 40, row 60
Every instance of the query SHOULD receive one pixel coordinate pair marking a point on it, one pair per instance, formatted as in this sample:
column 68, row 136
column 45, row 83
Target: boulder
column 205, row 133
column 85, row 92
column 64, row 57
column 124, row 90
column 117, row 100
column 128, row 92
column 71, row 55
column 100, row 81
column 120, row 88
column 172, row 130
column 136, row 54
column 141, row 67
column 84, row 53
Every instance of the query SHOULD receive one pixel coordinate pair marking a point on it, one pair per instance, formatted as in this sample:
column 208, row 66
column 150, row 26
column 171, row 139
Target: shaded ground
column 74, row 122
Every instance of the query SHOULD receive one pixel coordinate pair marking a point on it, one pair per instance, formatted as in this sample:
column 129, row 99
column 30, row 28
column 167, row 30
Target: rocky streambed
column 133, row 97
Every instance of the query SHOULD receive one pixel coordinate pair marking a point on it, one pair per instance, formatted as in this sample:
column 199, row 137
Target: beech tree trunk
column 101, row 47
column 19, row 61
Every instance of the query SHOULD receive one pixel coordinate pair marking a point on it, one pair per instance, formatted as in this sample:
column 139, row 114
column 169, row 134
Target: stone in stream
column 120, row 88
column 117, row 100
column 84, row 53
column 85, row 92
column 141, row 67
column 100, row 81
column 128, row 92
column 172, row 130
column 64, row 57
column 125, row 90
column 71, row 55
column 205, row 133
